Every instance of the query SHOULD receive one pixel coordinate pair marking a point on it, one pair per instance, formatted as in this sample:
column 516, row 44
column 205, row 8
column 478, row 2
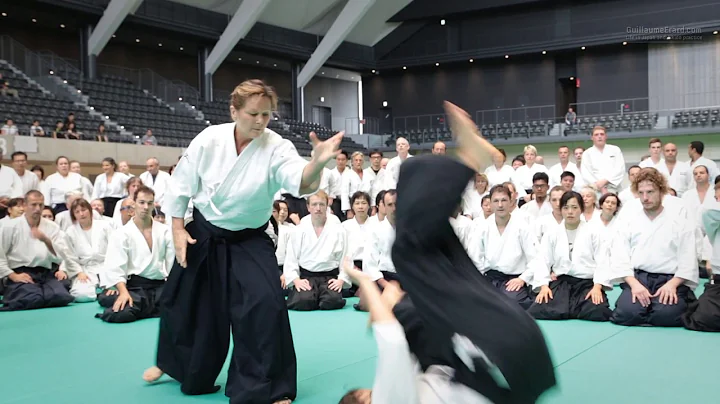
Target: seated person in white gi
column 357, row 232
column 29, row 246
column 704, row 315
column 572, row 251
column 312, row 263
column 502, row 247
column 654, row 256
column 87, row 240
column 544, row 223
column 138, row 260
column 63, row 218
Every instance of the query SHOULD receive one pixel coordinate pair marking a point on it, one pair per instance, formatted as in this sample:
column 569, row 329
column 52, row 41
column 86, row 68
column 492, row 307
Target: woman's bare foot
column 283, row 401
column 152, row 374
column 473, row 150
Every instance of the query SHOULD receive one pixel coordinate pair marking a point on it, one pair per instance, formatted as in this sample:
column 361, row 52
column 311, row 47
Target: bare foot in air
column 474, row 151
column 152, row 374
column 283, row 401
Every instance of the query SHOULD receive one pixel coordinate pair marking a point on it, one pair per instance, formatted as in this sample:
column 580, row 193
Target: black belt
column 304, row 273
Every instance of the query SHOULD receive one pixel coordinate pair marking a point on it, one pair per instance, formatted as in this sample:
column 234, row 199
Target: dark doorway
column 566, row 96
column 322, row 116
column 386, row 120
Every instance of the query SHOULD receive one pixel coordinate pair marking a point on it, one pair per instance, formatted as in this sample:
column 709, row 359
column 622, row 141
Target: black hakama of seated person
column 499, row 280
column 352, row 291
column 454, row 301
column 704, row 313
column 320, row 296
column 109, row 202
column 569, row 302
column 59, row 207
column 46, row 291
column 145, row 294
column 656, row 314
column 230, row 283
column 388, row 276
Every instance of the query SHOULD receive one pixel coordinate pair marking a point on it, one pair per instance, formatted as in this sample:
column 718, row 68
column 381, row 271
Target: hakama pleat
column 569, row 302
column 46, row 291
column 704, row 313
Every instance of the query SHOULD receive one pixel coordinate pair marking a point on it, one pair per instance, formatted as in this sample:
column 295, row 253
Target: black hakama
column 353, row 290
column 231, row 282
column 454, row 301
column 109, row 202
column 59, row 208
column 704, row 314
column 145, row 294
column 569, row 302
column 320, row 296
column 46, row 292
column 499, row 280
column 657, row 314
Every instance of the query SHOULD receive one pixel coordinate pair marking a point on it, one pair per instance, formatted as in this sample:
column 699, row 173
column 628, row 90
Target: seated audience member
column 626, row 195
column 36, row 130
column 127, row 212
column 71, row 132
column 131, row 186
column 704, row 314
column 312, row 264
column 138, row 260
column 357, row 231
column 5, row 88
column 502, row 248
column 487, row 207
column 15, row 208
column 499, row 172
column 280, row 230
column 590, row 201
column 59, row 131
column 654, row 256
column 87, row 241
column 159, row 216
column 572, row 251
column 607, row 220
column 472, row 197
column 9, row 128
column 63, row 219
column 101, row 135
column 29, row 246
column 379, row 215
column 47, row 213
column 99, row 206
column 546, row 222
column 461, row 225
column 567, row 181
column 149, row 139
column 539, row 205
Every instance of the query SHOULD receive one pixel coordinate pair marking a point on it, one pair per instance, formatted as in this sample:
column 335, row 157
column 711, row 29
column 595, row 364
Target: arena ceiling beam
column 245, row 17
column 110, row 21
column 351, row 14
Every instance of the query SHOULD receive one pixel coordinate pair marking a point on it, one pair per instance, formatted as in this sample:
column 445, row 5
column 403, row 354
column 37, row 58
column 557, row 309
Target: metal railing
column 356, row 126
column 33, row 64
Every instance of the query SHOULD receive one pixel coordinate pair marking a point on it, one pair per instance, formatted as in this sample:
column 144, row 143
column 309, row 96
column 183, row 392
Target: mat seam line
column 336, row 369
column 589, row 348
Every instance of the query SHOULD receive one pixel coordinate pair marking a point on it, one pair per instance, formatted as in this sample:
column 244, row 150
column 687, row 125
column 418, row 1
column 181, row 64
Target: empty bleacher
column 137, row 110
column 628, row 122
column 33, row 104
column 696, row 118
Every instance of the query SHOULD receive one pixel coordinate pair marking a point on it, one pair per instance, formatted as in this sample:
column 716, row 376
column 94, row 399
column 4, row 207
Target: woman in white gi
column 281, row 229
column 226, row 276
column 572, row 251
column 499, row 171
column 591, row 211
column 357, row 230
column 131, row 187
column 87, row 241
column 606, row 221
column 57, row 185
column 472, row 197
column 110, row 185
column 523, row 176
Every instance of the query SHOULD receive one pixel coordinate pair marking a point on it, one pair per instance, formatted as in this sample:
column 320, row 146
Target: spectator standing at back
column 570, row 118
column 695, row 151
column 9, row 128
column 149, row 139
column 603, row 165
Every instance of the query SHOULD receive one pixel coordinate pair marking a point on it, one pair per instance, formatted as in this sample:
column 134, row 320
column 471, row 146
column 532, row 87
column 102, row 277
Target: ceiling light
column 181, row 48
column 114, row 35
column 137, row 40
column 274, row 64
column 668, row 38
column 442, row 22
column 583, row 48
column 544, row 52
column 384, row 104
column 257, row 61
column 79, row 91
column 159, row 44
column 239, row 58
column 715, row 32
column 92, row 108
column 62, row 25
column 4, row 14
column 624, row 43
column 179, row 98
column 404, row 67
column 472, row 60
column 507, row 56
column 437, row 64
column 64, row 81
column 572, row 78
column 52, row 72
column 322, row 72
column 373, row 71
column 107, row 117
column 34, row 20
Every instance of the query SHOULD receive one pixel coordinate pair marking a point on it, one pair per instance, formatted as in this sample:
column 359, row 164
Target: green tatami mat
column 64, row 356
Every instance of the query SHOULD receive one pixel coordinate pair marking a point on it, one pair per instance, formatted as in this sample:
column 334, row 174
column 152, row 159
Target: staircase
column 26, row 78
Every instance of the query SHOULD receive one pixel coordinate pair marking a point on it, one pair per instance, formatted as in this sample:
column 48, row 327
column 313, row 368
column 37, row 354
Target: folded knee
column 667, row 315
column 334, row 303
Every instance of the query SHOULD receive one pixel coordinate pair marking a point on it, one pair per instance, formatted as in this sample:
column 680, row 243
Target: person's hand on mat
column 122, row 300
column 640, row 294
column 553, row 277
column 544, row 296
column 667, row 294
column 302, row 285
column 595, row 294
column 111, row 292
column 181, row 240
column 514, row 285
column 20, row 278
column 282, row 281
column 82, row 277
column 335, row 285
column 60, row 275
column 392, row 294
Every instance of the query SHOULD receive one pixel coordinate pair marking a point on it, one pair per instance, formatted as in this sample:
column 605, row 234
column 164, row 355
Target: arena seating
column 304, row 129
column 137, row 110
column 33, row 104
column 696, row 118
column 616, row 123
